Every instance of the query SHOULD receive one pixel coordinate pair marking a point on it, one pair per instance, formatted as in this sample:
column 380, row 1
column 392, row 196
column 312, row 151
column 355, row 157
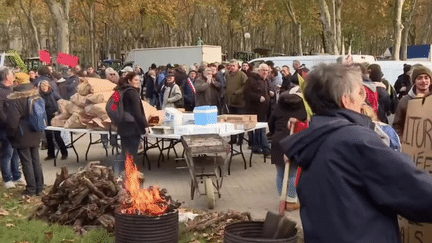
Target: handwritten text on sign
column 417, row 142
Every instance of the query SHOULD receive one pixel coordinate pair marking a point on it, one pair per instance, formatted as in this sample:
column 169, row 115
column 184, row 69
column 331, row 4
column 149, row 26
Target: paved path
column 252, row 190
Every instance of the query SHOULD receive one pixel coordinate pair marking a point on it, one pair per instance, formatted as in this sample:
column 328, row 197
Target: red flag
column 45, row 56
column 68, row 60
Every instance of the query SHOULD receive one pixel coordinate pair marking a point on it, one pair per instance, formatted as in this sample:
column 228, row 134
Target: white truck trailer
column 187, row 55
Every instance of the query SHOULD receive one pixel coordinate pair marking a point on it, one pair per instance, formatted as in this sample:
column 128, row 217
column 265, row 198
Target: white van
column 309, row 61
column 392, row 69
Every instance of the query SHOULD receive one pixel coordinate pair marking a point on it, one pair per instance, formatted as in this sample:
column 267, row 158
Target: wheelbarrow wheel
column 210, row 194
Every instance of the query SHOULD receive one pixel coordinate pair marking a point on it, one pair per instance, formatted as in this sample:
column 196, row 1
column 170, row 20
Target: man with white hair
column 257, row 97
column 112, row 75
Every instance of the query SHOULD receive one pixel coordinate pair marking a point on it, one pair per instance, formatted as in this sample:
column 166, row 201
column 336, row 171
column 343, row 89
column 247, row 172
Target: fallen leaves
column 210, row 226
column 3, row 212
column 49, row 235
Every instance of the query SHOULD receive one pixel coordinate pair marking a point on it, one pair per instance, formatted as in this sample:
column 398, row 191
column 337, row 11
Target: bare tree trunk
column 406, row 30
column 329, row 38
column 30, row 19
column 427, row 29
column 297, row 23
column 333, row 17
column 24, row 34
column 338, row 20
column 92, row 34
column 60, row 13
column 397, row 29
column 170, row 36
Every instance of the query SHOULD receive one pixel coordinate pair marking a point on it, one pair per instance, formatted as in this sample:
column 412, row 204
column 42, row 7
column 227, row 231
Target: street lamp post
column 247, row 41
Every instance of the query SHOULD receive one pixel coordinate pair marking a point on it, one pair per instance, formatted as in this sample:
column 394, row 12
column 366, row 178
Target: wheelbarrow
column 206, row 156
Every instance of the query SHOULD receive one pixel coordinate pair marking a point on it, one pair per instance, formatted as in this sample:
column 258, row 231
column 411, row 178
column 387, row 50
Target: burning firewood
column 89, row 198
column 151, row 202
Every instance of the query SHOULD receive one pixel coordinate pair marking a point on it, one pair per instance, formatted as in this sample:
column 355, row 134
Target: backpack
column 37, row 119
column 115, row 107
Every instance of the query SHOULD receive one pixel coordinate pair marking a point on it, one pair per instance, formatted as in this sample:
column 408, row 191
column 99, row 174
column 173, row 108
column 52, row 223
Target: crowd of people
column 20, row 143
column 350, row 156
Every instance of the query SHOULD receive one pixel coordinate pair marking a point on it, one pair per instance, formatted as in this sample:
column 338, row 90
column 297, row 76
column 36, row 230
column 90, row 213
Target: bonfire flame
column 142, row 201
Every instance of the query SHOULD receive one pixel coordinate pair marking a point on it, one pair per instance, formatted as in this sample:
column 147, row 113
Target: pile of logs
column 86, row 199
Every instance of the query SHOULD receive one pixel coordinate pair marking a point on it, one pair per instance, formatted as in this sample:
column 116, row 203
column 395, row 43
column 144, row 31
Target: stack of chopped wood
column 86, row 108
column 86, row 199
column 89, row 198
column 210, row 226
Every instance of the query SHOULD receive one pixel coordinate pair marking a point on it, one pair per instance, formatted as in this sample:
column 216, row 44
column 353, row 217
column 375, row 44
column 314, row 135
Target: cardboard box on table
column 417, row 142
column 242, row 122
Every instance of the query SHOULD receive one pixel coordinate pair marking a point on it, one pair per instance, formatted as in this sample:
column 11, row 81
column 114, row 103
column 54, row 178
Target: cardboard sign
column 45, row 56
column 68, row 60
column 417, row 142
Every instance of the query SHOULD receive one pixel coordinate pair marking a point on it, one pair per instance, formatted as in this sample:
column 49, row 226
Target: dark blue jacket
column 71, row 86
column 188, row 93
column 4, row 92
column 353, row 186
column 151, row 88
column 135, row 121
column 51, row 81
column 51, row 105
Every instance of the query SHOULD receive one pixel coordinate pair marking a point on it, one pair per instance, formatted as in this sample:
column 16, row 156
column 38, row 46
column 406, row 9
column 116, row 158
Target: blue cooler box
column 205, row 115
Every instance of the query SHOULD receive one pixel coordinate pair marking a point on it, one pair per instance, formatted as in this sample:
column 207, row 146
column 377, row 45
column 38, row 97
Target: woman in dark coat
column 51, row 97
column 23, row 139
column 134, row 123
column 257, row 101
column 288, row 106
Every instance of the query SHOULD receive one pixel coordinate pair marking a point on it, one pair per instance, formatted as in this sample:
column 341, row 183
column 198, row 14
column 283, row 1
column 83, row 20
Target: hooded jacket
column 134, row 108
column 384, row 102
column 289, row 105
column 4, row 92
column 353, row 186
column 19, row 132
column 51, row 105
column 399, row 118
column 403, row 81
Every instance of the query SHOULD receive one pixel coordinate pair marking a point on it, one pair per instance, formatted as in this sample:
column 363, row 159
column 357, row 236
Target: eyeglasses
column 112, row 74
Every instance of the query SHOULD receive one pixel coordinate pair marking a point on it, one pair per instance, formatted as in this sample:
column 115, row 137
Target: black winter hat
column 407, row 68
column 420, row 70
column 44, row 71
column 375, row 73
column 23, row 87
column 291, row 102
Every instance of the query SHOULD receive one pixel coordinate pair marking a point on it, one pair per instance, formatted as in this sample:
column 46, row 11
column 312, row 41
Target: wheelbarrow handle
column 284, row 187
column 291, row 124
